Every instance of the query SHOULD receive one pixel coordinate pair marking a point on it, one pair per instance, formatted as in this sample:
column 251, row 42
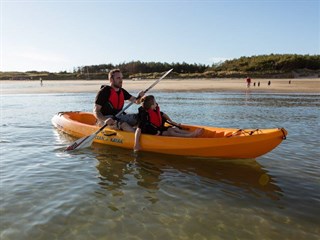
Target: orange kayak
column 214, row 142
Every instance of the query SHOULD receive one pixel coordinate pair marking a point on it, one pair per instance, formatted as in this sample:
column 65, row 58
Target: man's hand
column 141, row 94
column 138, row 99
column 109, row 121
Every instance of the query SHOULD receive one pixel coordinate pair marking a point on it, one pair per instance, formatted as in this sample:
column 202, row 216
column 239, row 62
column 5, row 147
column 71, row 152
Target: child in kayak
column 151, row 121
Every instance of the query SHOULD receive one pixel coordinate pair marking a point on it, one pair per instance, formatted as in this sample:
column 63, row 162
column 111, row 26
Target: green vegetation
column 263, row 66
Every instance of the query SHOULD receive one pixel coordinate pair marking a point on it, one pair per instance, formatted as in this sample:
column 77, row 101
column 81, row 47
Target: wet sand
column 307, row 85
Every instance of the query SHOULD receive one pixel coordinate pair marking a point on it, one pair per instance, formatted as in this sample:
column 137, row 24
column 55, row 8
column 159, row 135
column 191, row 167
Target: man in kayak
column 110, row 100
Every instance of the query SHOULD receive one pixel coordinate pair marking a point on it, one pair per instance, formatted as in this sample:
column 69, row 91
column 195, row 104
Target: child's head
column 148, row 102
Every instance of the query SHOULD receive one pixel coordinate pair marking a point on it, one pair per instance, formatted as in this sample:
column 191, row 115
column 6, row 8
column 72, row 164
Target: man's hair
column 111, row 73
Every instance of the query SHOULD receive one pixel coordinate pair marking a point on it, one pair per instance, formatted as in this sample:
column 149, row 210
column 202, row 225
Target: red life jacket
column 155, row 117
column 116, row 99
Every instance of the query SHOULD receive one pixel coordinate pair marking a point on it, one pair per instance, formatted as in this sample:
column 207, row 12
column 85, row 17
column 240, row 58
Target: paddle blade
column 81, row 143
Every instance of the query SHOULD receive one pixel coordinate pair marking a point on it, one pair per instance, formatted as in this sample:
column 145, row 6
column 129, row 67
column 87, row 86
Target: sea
column 111, row 193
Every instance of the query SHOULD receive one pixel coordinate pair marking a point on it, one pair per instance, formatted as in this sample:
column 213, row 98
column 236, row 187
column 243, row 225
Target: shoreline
column 303, row 85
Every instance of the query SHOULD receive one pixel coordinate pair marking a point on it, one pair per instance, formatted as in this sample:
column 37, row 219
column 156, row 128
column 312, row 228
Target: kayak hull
column 214, row 142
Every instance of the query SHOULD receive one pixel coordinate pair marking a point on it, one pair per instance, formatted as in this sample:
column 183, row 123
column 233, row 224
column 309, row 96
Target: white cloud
column 33, row 59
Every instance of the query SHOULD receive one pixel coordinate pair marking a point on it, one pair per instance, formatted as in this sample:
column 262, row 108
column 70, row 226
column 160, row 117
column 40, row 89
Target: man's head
column 115, row 78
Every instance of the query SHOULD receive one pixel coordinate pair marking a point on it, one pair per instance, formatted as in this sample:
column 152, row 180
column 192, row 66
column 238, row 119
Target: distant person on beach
column 110, row 100
column 41, row 83
column 151, row 121
column 248, row 80
column 259, row 84
column 289, row 81
column 269, row 83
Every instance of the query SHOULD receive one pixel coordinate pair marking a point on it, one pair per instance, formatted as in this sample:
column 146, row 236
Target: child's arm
column 137, row 140
column 168, row 119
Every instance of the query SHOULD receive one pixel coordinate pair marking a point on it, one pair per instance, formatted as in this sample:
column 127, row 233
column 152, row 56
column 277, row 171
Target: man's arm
column 97, row 113
column 135, row 100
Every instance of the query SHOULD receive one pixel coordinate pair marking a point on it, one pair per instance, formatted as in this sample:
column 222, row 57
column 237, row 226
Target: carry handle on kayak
column 87, row 141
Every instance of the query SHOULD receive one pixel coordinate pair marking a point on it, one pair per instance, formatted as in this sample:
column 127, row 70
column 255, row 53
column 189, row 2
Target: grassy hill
column 262, row 66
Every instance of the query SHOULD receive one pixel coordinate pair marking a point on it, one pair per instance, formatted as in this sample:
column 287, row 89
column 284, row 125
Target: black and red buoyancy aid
column 116, row 99
column 155, row 117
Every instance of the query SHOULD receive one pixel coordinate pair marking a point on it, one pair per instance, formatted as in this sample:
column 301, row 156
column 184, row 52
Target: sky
column 54, row 35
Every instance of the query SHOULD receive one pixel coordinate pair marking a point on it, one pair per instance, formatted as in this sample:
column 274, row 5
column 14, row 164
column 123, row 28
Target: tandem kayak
column 213, row 142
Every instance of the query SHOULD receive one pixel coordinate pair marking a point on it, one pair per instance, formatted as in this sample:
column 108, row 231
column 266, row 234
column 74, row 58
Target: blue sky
column 60, row 35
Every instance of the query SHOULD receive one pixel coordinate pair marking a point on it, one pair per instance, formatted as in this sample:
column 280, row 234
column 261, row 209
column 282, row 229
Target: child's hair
column 147, row 101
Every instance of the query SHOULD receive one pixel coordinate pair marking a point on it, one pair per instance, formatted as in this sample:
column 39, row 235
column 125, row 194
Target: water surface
column 111, row 193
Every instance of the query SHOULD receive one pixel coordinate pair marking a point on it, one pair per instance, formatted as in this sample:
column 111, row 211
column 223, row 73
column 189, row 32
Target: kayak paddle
column 87, row 140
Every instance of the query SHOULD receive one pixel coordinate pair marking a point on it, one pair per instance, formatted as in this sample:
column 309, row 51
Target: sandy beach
column 307, row 85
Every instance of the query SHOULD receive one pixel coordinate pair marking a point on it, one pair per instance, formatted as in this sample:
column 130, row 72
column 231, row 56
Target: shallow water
column 111, row 193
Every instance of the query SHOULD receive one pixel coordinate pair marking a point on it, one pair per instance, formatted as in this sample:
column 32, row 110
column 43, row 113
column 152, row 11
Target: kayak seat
column 84, row 118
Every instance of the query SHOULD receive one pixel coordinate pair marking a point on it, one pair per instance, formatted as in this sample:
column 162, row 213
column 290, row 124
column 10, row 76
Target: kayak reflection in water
column 151, row 171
